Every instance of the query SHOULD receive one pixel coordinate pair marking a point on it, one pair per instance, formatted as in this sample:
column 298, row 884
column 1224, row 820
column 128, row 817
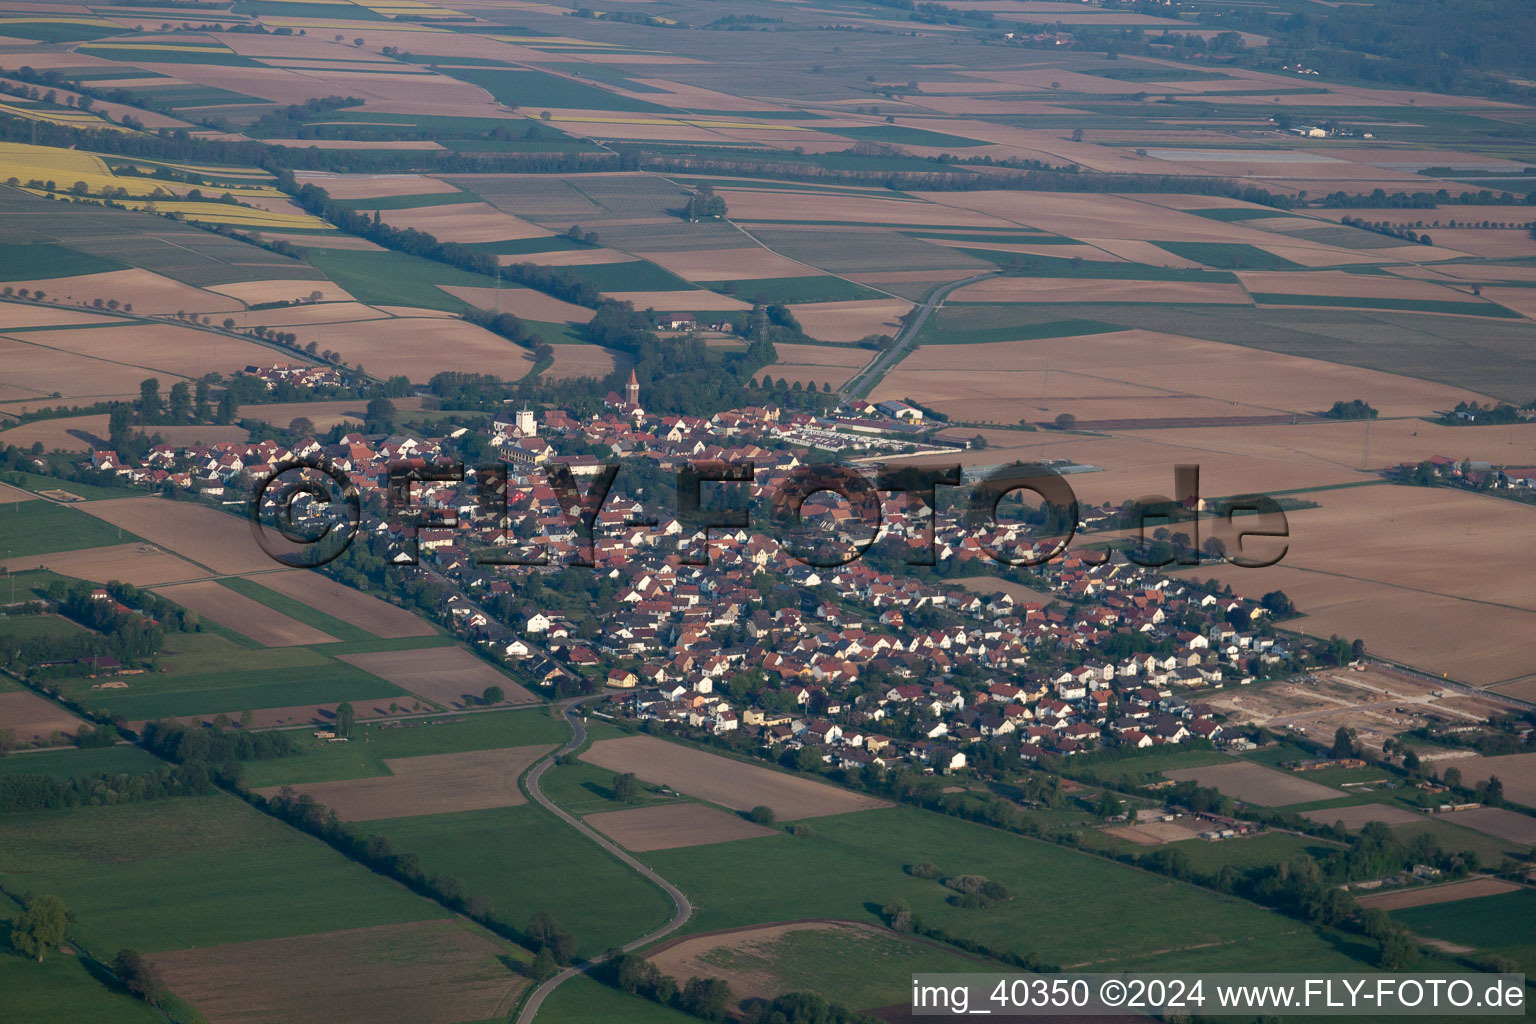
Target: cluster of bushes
column 977, row 892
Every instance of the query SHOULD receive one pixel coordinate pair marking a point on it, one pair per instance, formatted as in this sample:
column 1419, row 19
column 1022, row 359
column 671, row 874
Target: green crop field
column 1417, row 305
column 38, row 527
column 35, row 261
column 38, row 482
column 1031, row 265
column 192, row 871
column 297, row 610
column 903, row 135
column 541, row 89
column 523, row 859
column 394, row 278
column 407, row 202
column 61, row 988
column 1146, row 765
column 71, row 763
column 372, row 745
column 980, row 323
column 822, row 288
column 583, row 789
column 634, row 276
column 37, row 626
column 131, row 55
column 1487, row 922
column 1091, row 912
column 584, row 1001
column 58, row 31
column 1229, row 255
column 207, row 674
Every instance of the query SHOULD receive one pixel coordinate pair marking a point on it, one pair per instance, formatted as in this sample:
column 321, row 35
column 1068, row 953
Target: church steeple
column 632, row 389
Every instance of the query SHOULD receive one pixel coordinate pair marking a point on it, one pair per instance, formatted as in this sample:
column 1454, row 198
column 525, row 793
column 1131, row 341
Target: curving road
column 682, row 908
column 861, row 382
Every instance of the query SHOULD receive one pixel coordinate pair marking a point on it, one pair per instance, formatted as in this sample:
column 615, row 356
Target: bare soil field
column 1156, row 833
column 1496, row 821
column 726, row 264
column 818, row 363
column 433, row 784
column 324, row 415
column 432, row 972
column 371, row 186
column 464, row 222
column 195, row 532
column 674, row 825
column 1083, row 216
column 691, row 301
column 730, row 954
column 253, row 292
column 142, row 565
column 1516, row 771
column 30, row 718
column 850, row 321
column 161, row 349
column 444, row 675
column 237, row 612
column 586, row 361
column 148, row 292
column 419, row 347
column 523, row 302
column 1466, row 639
column 14, row 315
column 723, row 781
column 1092, row 290
column 1127, row 363
column 1425, row 895
column 84, row 433
column 1255, row 784
column 351, row 606
column 1415, row 554
column 31, row 373
column 14, row 494
column 1356, row 817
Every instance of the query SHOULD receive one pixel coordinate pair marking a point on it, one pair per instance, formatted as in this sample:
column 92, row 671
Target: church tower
column 632, row 390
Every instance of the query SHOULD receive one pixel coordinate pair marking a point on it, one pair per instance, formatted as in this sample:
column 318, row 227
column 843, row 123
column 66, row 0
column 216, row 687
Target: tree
column 381, row 414
column 1344, row 744
column 1453, row 778
column 709, row 998
column 346, row 715
column 1109, row 804
column 1411, row 761
column 1493, row 791
column 626, row 788
column 181, row 401
column 762, row 814
column 493, row 695
column 150, row 405
column 301, row 426
column 1398, row 953
column 41, row 926
column 138, row 975
column 544, row 966
column 1066, row 421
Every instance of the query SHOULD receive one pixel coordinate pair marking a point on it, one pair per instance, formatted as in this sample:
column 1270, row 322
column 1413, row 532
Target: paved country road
column 682, row 908
column 868, row 377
